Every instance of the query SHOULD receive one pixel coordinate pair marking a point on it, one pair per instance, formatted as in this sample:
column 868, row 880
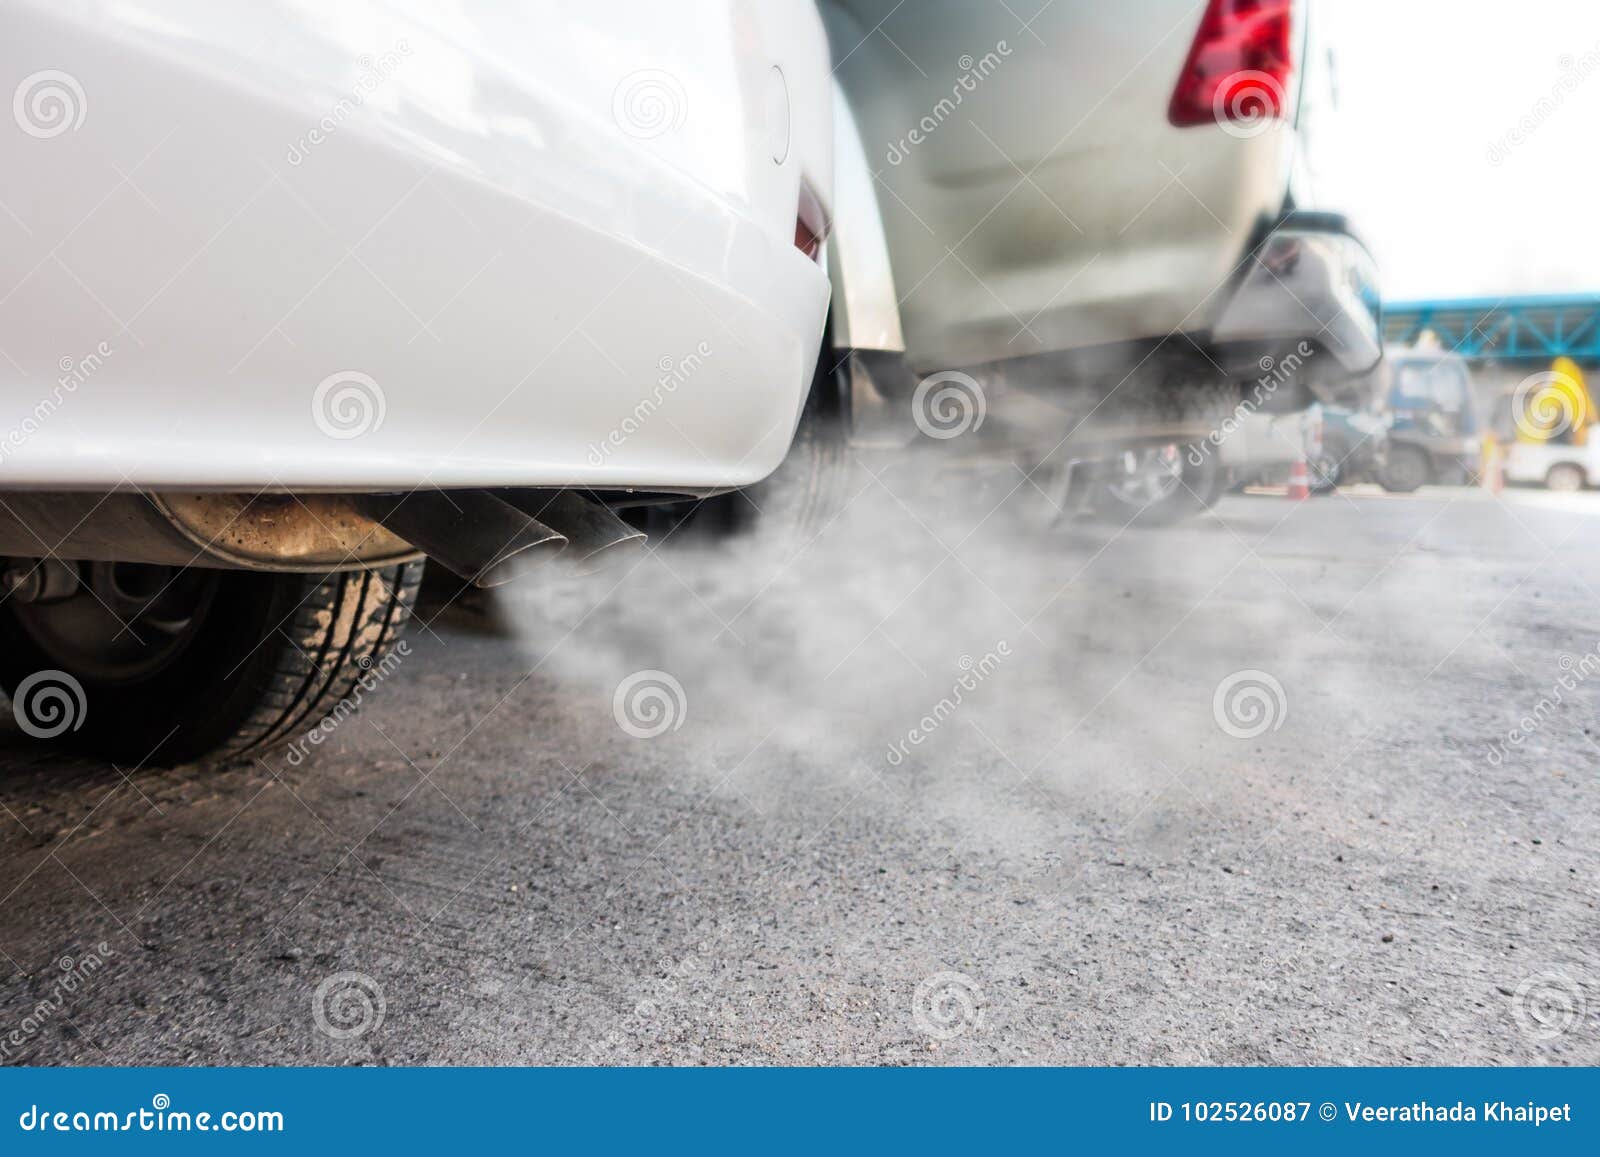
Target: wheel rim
column 1407, row 470
column 124, row 622
column 1564, row 478
column 1147, row 475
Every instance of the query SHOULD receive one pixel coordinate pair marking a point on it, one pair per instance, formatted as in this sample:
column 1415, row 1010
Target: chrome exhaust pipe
column 596, row 537
column 469, row 532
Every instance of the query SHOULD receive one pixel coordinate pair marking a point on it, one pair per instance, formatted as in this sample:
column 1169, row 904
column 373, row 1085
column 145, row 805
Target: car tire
column 1405, row 469
column 1565, row 477
column 809, row 489
column 799, row 499
column 1325, row 472
column 1195, row 485
column 1209, row 488
column 249, row 662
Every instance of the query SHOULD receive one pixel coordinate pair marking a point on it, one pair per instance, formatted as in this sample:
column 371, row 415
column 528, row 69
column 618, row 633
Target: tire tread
column 341, row 619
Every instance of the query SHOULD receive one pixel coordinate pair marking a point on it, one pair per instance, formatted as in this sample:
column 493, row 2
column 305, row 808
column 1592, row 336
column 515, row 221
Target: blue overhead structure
column 1533, row 329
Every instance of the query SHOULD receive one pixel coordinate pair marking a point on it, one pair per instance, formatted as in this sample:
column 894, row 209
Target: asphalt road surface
column 1293, row 783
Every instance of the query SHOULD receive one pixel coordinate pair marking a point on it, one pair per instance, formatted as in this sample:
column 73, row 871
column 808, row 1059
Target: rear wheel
column 1158, row 485
column 1405, row 469
column 799, row 499
column 1325, row 471
column 1564, row 476
column 148, row 664
column 808, row 490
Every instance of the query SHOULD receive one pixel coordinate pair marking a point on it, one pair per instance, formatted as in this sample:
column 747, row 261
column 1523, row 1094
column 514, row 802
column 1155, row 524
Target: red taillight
column 1239, row 68
column 810, row 224
column 805, row 239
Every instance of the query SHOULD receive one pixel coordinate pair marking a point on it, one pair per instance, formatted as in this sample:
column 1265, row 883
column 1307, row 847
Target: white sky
column 1425, row 90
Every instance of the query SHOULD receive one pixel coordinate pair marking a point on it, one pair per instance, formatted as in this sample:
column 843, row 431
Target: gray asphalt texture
column 1076, row 863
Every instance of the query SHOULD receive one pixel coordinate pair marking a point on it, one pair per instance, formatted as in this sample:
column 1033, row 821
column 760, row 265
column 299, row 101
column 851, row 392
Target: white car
column 293, row 294
column 1099, row 214
column 1254, row 444
column 1564, row 466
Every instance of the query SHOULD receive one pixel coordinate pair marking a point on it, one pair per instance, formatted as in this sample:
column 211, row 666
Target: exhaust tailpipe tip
column 471, row 533
column 596, row 538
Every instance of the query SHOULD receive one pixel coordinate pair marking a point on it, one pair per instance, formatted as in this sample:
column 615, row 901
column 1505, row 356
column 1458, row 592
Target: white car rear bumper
column 266, row 249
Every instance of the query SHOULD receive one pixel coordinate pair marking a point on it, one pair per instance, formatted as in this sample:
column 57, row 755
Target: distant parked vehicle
column 1102, row 230
column 1434, row 435
column 1551, row 418
column 1257, row 448
column 1355, row 447
column 1339, row 444
column 1554, row 465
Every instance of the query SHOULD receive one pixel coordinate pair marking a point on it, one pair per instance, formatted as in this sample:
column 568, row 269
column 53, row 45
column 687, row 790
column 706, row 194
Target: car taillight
column 1239, row 67
column 810, row 224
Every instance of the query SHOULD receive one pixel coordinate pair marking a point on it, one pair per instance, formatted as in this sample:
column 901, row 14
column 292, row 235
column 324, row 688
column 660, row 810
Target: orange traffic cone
column 1494, row 465
column 1299, row 480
